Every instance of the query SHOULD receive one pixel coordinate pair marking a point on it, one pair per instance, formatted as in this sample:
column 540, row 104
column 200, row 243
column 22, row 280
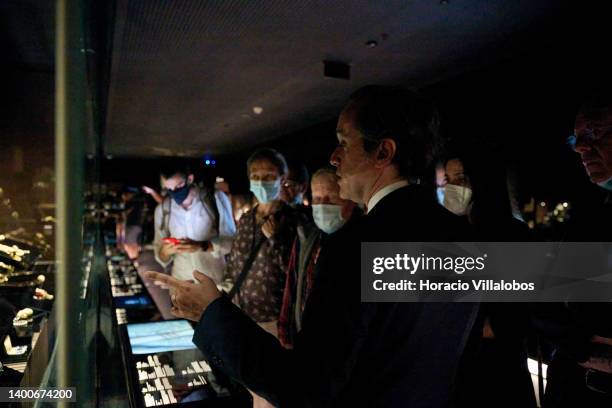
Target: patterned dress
column 260, row 294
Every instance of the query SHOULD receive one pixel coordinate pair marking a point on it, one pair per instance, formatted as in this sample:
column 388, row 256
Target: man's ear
column 190, row 179
column 385, row 152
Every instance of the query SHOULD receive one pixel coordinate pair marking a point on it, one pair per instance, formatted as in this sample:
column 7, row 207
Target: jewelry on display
column 14, row 252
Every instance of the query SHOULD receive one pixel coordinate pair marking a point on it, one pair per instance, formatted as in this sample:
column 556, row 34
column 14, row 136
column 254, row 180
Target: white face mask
column 328, row 217
column 457, row 198
column 606, row 184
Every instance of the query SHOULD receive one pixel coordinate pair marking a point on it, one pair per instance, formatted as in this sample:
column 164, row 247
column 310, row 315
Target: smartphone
column 171, row 240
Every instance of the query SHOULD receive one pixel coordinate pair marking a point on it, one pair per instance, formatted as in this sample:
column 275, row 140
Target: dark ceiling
column 26, row 84
column 185, row 75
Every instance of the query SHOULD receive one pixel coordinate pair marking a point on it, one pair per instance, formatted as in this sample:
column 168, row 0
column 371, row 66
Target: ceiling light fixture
column 257, row 110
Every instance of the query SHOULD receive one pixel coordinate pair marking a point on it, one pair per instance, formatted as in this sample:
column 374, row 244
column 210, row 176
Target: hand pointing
column 189, row 299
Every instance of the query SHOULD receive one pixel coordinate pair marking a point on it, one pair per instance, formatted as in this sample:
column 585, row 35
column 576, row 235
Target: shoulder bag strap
column 246, row 267
column 165, row 224
column 249, row 261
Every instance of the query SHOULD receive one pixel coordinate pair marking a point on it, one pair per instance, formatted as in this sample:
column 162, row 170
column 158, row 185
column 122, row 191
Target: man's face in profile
column 593, row 131
column 353, row 167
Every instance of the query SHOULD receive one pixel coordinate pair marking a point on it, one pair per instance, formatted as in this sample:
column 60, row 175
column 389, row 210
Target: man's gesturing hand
column 189, row 300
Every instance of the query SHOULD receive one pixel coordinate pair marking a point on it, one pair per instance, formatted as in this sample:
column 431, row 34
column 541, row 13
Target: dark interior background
column 517, row 85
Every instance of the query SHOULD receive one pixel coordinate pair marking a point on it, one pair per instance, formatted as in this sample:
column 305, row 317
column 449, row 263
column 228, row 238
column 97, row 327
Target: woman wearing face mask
column 494, row 371
column 330, row 213
column 255, row 273
column 477, row 187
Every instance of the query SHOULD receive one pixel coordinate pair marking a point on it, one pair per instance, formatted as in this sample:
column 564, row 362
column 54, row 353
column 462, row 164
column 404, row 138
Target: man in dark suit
column 580, row 373
column 353, row 353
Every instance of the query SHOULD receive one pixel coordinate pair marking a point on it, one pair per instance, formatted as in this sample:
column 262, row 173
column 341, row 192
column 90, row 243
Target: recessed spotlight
column 371, row 44
column 257, row 110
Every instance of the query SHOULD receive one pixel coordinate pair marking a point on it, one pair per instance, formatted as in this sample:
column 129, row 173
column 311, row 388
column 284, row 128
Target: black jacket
column 351, row 353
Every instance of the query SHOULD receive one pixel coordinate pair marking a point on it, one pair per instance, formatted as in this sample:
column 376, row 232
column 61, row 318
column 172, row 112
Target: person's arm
column 566, row 331
column 163, row 251
column 600, row 358
column 222, row 244
column 154, row 194
column 335, row 327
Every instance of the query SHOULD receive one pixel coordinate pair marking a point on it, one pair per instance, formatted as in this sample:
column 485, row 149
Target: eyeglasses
column 589, row 136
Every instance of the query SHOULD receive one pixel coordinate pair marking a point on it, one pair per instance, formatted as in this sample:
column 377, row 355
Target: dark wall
column 26, row 103
column 522, row 108
column 26, row 137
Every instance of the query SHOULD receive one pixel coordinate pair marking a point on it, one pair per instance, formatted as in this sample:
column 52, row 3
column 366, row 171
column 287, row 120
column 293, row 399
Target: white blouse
column 196, row 223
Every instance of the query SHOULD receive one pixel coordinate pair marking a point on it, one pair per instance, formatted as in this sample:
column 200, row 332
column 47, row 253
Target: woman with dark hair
column 477, row 187
column 494, row 371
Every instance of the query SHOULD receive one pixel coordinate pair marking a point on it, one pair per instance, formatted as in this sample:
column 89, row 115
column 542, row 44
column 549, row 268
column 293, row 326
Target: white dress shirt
column 196, row 223
column 383, row 192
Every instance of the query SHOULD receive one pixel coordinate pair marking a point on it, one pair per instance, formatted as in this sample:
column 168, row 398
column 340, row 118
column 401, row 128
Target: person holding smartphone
column 194, row 226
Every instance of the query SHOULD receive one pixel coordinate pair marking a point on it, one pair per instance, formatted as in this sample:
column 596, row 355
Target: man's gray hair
column 330, row 171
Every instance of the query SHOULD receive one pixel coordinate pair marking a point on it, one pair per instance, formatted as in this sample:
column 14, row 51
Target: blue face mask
column 266, row 191
column 180, row 194
column 440, row 195
column 299, row 199
column 328, row 217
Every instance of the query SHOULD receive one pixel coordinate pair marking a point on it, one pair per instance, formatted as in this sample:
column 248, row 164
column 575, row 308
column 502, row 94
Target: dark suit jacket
column 351, row 353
